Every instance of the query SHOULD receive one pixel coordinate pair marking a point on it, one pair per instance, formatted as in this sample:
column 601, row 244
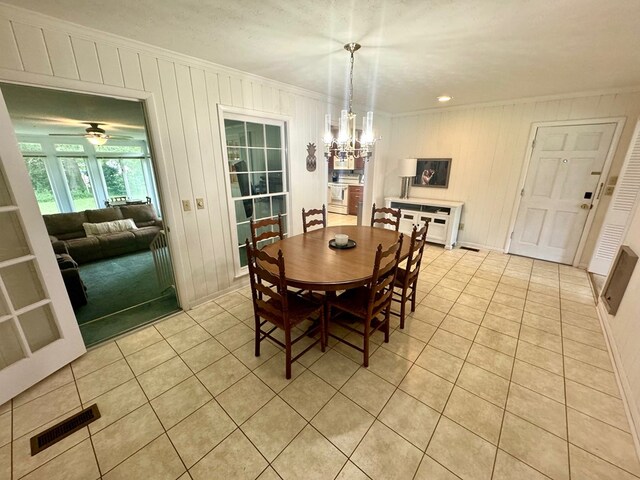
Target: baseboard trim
column 631, row 409
column 480, row 247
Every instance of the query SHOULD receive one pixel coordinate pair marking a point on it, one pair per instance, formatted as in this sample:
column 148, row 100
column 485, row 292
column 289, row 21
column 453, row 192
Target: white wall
column 182, row 95
column 488, row 145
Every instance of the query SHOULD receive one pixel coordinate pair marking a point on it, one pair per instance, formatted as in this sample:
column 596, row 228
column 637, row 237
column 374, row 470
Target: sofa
column 67, row 233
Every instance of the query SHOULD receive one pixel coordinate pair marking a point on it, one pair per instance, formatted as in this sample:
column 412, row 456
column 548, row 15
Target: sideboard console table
column 443, row 217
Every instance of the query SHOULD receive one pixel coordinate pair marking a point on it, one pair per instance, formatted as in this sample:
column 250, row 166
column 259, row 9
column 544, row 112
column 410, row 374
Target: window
column 124, row 177
column 41, row 184
column 76, row 173
column 257, row 174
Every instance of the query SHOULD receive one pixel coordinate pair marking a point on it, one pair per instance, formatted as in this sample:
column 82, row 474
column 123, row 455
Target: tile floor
column 502, row 373
column 335, row 219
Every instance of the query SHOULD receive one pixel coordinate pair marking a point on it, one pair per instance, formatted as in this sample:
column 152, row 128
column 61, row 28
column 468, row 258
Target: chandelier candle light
column 347, row 145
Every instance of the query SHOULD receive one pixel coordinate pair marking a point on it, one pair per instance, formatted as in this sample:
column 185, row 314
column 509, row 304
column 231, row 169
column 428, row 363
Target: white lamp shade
column 407, row 167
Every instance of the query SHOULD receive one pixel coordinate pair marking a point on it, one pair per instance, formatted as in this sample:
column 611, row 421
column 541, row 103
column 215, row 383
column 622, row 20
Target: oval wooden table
column 310, row 263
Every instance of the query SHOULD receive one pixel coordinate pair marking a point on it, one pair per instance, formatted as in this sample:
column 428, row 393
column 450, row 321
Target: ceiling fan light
column 444, row 98
column 97, row 139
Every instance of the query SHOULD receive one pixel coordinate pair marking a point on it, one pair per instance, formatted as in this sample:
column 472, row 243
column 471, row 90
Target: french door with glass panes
column 38, row 329
column 256, row 170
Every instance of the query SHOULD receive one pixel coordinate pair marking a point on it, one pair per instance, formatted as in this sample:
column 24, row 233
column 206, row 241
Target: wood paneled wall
column 184, row 97
column 488, row 146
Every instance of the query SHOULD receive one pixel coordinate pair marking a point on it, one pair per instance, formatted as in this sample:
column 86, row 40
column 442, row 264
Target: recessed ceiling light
column 444, row 98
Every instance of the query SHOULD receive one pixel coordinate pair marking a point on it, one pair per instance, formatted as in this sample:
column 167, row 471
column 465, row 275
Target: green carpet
column 123, row 293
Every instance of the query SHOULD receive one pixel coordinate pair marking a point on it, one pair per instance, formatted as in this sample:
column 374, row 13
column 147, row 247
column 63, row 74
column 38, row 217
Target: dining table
column 311, row 264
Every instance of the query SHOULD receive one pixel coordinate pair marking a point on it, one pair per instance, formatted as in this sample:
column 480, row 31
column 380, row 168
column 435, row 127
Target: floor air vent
column 63, row 429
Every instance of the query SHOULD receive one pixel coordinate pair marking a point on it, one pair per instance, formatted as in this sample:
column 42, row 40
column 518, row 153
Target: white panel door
column 564, row 172
column 38, row 329
column 620, row 210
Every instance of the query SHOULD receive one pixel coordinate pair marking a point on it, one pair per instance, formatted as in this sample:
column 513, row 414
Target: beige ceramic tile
column 446, row 293
column 469, row 300
column 497, row 341
column 389, row 366
column 221, row 374
column 244, row 398
column 585, row 353
column 510, row 468
column 166, row 375
column 247, row 354
column 538, row 409
column 5, row 429
column 542, row 323
column 180, row 401
column 158, row 460
column 188, row 338
column 410, row 418
column 204, row 354
column 230, row 300
column 307, row 394
column 205, row 311
column 124, row 437
column 460, row 327
column 504, row 311
column 597, row 404
column 429, row 315
column 431, row 470
column 536, row 447
column 234, row 458
column 44, row 409
column 538, row 380
column 440, row 362
column 404, row 345
column 467, row 313
column 589, row 467
column 508, row 300
column 474, row 413
column 437, row 303
column 350, row 472
column 450, row 343
column 546, row 311
column 334, row 368
column 309, row 456
column 272, row 372
column 95, row 359
column 593, row 377
column 5, row 462
column 77, row 463
column 589, row 337
column 139, row 340
column 427, row 387
column 200, row 432
column 52, row 382
column 368, row 390
column 540, row 357
column 273, row 427
column 103, row 380
column 117, row 403
column 384, row 454
column 541, row 338
column 236, row 336
column 343, row 422
column 485, row 384
column 418, row 329
column 491, row 360
column 602, row 440
column 175, row 324
column 502, row 325
column 480, row 292
column 462, row 452
column 219, row 323
column 149, row 357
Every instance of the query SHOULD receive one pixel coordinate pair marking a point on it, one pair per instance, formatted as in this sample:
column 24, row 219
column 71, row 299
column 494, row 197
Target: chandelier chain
column 351, row 84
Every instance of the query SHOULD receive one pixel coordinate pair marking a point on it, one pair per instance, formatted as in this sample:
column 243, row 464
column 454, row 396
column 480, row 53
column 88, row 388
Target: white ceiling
column 40, row 111
column 413, row 50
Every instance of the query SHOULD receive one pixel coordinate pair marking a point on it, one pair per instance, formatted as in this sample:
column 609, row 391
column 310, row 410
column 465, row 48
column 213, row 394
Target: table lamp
column 407, row 171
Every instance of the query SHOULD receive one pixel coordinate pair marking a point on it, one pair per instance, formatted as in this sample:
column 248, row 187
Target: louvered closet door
column 620, row 210
column 38, row 329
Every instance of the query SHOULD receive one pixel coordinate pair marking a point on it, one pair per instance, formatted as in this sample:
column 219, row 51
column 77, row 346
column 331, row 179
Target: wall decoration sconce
column 311, row 157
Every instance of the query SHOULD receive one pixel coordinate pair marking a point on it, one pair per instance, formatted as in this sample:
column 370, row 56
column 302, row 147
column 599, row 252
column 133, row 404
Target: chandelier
column 347, row 144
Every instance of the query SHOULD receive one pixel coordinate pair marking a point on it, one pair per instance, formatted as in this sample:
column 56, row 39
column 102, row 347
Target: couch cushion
column 95, row 229
column 143, row 215
column 104, row 215
column 115, row 243
column 62, row 225
column 84, row 249
column 145, row 235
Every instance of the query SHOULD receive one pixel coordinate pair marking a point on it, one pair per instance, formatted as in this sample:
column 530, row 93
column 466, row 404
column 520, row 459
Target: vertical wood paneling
column 9, row 54
column 256, row 95
column 182, row 173
column 247, row 94
column 110, row 65
column 33, row 50
column 87, row 60
column 236, row 91
column 224, row 85
column 131, row 73
column 61, row 55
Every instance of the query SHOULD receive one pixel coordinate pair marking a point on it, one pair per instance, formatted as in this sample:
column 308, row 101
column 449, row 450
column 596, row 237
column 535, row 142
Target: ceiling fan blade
column 66, row 134
column 120, row 137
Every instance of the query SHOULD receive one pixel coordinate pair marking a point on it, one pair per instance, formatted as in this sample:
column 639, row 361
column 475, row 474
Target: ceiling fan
column 94, row 134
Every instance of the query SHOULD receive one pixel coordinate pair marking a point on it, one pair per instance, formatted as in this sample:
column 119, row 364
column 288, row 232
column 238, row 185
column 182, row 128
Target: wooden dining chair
column 384, row 219
column 314, row 212
column 369, row 302
column 276, row 306
column 265, row 229
column 407, row 277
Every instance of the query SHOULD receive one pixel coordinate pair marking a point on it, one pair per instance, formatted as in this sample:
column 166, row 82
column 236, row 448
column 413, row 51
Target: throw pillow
column 95, row 229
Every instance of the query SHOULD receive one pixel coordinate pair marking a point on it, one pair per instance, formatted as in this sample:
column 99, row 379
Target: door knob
column 585, row 206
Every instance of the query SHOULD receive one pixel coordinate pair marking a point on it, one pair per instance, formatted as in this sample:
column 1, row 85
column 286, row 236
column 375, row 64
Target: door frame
column 149, row 103
column 620, row 122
